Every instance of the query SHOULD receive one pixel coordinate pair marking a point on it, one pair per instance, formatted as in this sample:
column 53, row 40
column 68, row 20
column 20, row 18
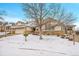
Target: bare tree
column 38, row 12
column 63, row 17
column 2, row 14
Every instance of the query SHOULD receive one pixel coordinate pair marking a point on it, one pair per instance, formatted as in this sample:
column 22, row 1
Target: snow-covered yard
column 49, row 46
column 2, row 33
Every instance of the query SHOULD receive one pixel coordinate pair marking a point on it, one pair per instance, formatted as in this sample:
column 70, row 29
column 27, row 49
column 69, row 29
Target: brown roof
column 17, row 26
column 70, row 25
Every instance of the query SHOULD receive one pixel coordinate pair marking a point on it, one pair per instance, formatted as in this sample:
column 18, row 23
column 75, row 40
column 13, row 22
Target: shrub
column 25, row 35
column 13, row 32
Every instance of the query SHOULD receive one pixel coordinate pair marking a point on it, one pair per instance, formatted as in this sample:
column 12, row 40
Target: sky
column 13, row 10
column 15, row 13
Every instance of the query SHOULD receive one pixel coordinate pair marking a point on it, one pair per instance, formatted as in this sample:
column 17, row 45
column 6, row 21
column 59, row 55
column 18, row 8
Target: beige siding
column 29, row 29
column 19, row 31
column 57, row 28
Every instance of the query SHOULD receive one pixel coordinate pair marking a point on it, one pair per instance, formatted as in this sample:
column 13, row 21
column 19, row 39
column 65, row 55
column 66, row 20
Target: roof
column 31, row 24
column 17, row 27
column 70, row 25
column 20, row 22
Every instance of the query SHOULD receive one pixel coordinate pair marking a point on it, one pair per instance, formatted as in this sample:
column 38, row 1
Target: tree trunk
column 40, row 33
column 65, row 30
column 25, row 38
column 73, row 38
column 25, row 33
column 5, row 31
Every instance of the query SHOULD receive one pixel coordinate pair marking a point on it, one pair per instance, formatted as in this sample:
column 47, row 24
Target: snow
column 48, row 46
column 3, row 33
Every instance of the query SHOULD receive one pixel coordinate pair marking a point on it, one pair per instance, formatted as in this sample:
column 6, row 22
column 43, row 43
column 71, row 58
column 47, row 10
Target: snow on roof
column 17, row 26
column 71, row 25
column 31, row 24
column 8, row 24
column 77, row 29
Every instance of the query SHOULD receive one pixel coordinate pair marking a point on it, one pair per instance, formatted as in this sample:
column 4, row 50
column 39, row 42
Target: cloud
column 14, row 19
column 11, row 19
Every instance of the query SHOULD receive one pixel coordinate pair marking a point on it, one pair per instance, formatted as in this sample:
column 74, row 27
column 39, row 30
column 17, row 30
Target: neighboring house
column 8, row 27
column 77, row 34
column 1, row 24
column 20, row 27
column 1, row 28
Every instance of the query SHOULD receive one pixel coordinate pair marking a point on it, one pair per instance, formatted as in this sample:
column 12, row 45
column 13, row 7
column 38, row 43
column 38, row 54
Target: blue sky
column 12, row 9
column 15, row 12
column 73, row 7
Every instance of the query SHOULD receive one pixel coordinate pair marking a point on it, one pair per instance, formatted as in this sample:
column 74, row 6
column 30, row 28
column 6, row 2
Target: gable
column 57, row 28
